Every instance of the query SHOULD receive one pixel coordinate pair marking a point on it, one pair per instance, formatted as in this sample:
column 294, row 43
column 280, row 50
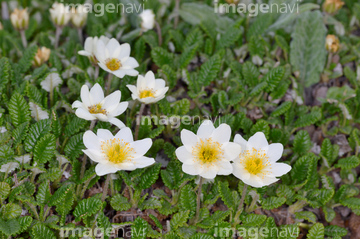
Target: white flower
column 256, row 164
column 62, row 159
column 37, row 112
column 95, row 106
column 147, row 20
column 23, row 158
column 115, row 58
column 79, row 16
column 148, row 89
column 90, row 48
column 3, row 129
column 20, row 19
column 9, row 167
column 209, row 152
column 51, row 81
column 60, row 14
column 119, row 152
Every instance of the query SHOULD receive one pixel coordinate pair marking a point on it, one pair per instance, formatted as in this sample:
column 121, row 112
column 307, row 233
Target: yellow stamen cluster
column 208, row 151
column 113, row 64
column 255, row 161
column 97, row 109
column 147, row 93
column 117, row 151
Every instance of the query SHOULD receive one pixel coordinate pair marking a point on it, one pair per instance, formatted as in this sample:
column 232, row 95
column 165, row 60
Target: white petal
column 104, row 134
column 257, row 141
column 141, row 147
column 184, row 155
column 269, row 180
column 225, row 168
column 209, row 172
column 275, row 152
column 77, row 104
column 83, row 114
column 279, row 169
column 117, row 122
column 114, row 47
column 189, row 139
column 191, row 169
column 97, row 94
column 100, row 51
column 95, row 156
column 132, row 88
column 124, row 51
column 232, row 150
column 111, row 101
column 125, row 134
column 159, row 83
column 143, row 162
column 240, row 140
column 120, row 109
column 222, row 133
column 103, row 169
column 91, row 141
column 206, row 129
column 240, row 172
column 85, row 96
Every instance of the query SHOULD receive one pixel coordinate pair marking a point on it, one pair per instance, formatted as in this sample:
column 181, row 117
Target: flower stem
column 83, row 165
column 106, row 186
column 108, row 83
column 57, row 36
column 80, row 35
column 177, row 6
column 23, row 38
column 330, row 56
column 141, row 111
column 96, row 73
column 158, row 30
column 198, row 201
column 241, row 205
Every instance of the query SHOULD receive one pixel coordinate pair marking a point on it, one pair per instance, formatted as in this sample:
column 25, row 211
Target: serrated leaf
column 139, row 228
column 333, row 230
column 209, row 70
column 316, row 231
column 10, row 227
column 281, row 109
column 148, row 177
column 179, row 219
column 161, row 57
column 18, row 109
column 45, row 148
column 302, row 142
column 348, row 163
column 40, row 231
column 87, row 207
column 306, row 215
column 254, row 220
column 272, row 202
column 120, row 203
column 188, row 200
column 352, row 203
column 36, row 131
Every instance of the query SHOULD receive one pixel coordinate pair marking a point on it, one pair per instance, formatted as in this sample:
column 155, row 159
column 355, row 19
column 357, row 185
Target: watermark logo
column 255, row 8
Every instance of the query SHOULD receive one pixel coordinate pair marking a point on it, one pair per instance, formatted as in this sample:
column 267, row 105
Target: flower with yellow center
column 42, row 56
column 332, row 6
column 20, row 19
column 95, row 106
column 148, row 90
column 256, row 164
column 332, row 43
column 90, row 48
column 114, row 58
column 209, row 152
column 114, row 153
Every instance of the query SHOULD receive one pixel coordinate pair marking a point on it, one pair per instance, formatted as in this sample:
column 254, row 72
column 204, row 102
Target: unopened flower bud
column 42, row 55
column 332, row 43
column 79, row 16
column 20, row 19
column 332, row 6
column 60, row 14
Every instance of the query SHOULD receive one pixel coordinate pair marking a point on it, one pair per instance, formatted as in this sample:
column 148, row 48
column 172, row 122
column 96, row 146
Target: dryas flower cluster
column 210, row 152
column 119, row 152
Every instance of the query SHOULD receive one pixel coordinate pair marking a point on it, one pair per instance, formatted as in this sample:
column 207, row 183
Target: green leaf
column 120, row 203
column 87, row 207
column 226, row 195
column 179, row 219
column 40, row 231
column 161, row 57
column 10, row 227
column 74, row 126
column 188, row 200
column 309, row 119
column 60, row 194
column 231, row 35
column 250, row 73
column 37, row 131
column 20, row 133
column 302, row 142
column 333, row 230
column 306, row 215
column 27, row 59
column 272, row 202
column 352, row 203
column 18, row 109
column 139, row 228
column 45, row 148
column 74, row 147
column 25, row 222
column 188, row 54
column 171, row 176
column 5, row 72
column 4, row 190
column 148, row 177
column 348, row 163
column 260, row 126
column 307, row 53
column 209, row 70
column 284, row 107
column 10, row 211
column 254, row 220
column 43, row 193
column 316, row 231
column 329, row 213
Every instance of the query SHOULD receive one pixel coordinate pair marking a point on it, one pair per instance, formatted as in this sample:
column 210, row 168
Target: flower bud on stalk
column 20, row 21
column 332, row 6
column 42, row 55
column 60, row 15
